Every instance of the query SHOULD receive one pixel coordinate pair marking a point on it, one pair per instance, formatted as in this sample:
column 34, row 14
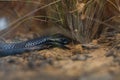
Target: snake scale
column 56, row 40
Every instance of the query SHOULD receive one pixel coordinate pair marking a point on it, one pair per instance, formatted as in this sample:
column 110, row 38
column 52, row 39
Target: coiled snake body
column 56, row 40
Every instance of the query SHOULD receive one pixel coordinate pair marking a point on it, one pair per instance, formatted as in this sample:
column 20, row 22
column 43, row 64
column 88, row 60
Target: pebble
column 80, row 57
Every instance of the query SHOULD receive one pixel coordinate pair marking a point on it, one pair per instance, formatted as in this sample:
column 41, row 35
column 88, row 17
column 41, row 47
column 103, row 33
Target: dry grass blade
column 22, row 19
column 73, row 15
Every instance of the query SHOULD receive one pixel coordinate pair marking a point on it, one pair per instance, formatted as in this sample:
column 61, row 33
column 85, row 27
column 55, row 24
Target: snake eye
column 64, row 40
column 60, row 38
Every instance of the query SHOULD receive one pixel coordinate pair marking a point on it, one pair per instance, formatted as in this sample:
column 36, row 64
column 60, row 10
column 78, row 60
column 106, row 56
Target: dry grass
column 84, row 20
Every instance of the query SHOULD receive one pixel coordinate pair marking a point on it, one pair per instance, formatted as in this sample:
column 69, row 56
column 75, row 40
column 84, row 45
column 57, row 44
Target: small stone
column 11, row 61
column 110, row 53
column 80, row 57
column 90, row 46
column 31, row 65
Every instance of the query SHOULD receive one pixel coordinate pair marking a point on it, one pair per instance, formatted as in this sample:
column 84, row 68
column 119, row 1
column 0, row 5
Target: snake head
column 59, row 38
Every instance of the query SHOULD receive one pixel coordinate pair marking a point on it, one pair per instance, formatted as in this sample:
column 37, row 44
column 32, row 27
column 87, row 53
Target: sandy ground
column 95, row 61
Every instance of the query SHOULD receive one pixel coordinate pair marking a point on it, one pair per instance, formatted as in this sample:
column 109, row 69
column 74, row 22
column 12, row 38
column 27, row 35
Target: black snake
column 56, row 40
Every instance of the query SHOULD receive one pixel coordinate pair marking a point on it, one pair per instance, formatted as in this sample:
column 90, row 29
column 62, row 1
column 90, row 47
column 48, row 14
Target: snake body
column 56, row 40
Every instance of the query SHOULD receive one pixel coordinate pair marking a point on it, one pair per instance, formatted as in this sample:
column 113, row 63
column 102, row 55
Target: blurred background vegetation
column 82, row 20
